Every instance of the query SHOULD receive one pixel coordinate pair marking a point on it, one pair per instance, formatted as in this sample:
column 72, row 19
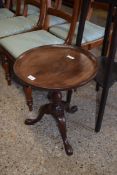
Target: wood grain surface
column 56, row 67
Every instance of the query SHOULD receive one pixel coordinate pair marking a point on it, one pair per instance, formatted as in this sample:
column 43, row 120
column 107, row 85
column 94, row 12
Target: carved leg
column 68, row 108
column 28, row 94
column 56, row 109
column 42, row 111
column 58, row 114
column 5, row 65
column 62, row 128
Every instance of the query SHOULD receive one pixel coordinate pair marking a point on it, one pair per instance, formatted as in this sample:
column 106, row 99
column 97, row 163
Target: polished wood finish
column 56, row 109
column 18, row 6
column 71, row 18
column 56, row 68
column 56, row 71
column 5, row 64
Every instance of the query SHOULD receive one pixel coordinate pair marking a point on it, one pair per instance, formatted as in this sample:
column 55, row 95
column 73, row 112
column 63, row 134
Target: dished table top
column 56, row 67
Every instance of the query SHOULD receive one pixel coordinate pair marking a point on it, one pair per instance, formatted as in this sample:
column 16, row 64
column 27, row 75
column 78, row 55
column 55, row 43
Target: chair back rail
column 42, row 16
column 92, row 5
column 70, row 18
column 90, row 9
column 5, row 4
column 74, row 19
column 36, row 3
column 42, row 5
column 18, row 7
column 26, row 3
column 58, row 4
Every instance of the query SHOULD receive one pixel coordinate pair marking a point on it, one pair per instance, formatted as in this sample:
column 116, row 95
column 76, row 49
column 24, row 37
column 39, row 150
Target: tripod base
column 56, row 109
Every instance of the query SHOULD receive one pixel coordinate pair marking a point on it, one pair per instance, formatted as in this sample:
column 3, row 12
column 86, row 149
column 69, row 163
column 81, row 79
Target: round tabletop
column 56, row 67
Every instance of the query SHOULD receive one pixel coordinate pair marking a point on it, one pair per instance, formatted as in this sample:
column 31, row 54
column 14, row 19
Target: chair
column 92, row 36
column 4, row 10
column 19, row 24
column 29, row 40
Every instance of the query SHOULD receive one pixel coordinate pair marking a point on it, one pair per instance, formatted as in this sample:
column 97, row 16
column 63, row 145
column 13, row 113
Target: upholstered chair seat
column 32, row 10
column 26, row 41
column 5, row 13
column 19, row 24
column 54, row 20
column 91, row 33
column 16, row 25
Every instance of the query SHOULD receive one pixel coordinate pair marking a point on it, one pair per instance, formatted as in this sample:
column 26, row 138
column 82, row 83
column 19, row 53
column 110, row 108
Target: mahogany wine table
column 56, row 68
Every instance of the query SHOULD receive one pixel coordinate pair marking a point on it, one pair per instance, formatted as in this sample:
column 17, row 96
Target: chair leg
column 6, row 66
column 101, row 109
column 97, row 87
column 28, row 95
column 69, row 95
column 69, row 108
